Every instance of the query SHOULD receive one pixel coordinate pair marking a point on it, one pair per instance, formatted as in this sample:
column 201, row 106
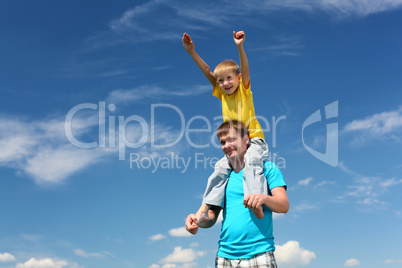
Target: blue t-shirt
column 243, row 235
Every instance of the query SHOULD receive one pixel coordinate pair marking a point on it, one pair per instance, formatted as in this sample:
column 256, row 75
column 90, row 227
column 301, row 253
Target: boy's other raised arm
column 239, row 38
column 189, row 47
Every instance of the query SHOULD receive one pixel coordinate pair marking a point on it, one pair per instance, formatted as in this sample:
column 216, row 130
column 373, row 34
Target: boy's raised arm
column 189, row 47
column 239, row 38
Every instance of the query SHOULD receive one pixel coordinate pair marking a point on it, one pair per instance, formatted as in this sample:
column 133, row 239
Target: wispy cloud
column 305, row 182
column 137, row 24
column 368, row 190
column 304, row 206
column 41, row 149
column 381, row 126
column 284, row 46
column 339, row 9
column 152, row 92
column 85, row 254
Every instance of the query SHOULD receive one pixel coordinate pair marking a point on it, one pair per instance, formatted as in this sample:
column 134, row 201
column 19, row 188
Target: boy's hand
column 239, row 37
column 187, row 42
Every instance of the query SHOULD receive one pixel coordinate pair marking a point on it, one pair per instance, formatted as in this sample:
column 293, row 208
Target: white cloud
column 292, row 255
column 277, row 216
column 181, row 231
column 352, row 262
column 388, row 261
column 42, row 263
column 43, row 151
column 152, row 92
column 83, row 253
column 305, row 182
column 169, row 265
column 304, row 206
column 181, row 255
column 324, row 183
column 6, row 257
column 53, row 165
column 183, row 16
column 386, row 125
column 339, row 9
column 157, row 237
column 368, row 190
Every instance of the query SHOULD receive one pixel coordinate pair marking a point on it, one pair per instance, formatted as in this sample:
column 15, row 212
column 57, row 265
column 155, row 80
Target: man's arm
column 239, row 38
column 191, row 221
column 189, row 47
column 278, row 202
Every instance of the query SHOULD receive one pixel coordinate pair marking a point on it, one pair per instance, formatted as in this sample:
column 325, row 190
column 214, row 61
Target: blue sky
column 107, row 129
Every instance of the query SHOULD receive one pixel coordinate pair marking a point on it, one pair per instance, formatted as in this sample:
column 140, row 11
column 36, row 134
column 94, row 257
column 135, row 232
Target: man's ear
column 246, row 138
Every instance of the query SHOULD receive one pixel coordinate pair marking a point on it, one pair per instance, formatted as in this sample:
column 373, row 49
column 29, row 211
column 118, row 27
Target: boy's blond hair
column 226, row 65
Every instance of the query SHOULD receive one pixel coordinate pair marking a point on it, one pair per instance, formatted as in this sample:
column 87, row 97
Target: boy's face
column 228, row 81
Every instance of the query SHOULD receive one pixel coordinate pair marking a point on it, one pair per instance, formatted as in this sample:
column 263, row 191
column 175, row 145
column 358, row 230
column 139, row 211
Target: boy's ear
column 239, row 76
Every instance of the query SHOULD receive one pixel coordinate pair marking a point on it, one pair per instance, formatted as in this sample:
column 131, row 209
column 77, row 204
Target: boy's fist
column 239, row 37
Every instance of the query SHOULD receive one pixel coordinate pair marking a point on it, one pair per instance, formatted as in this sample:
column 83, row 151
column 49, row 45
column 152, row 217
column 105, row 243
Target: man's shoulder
column 268, row 165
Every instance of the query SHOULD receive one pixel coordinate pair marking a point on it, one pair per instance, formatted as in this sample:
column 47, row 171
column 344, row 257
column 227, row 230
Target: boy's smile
column 229, row 81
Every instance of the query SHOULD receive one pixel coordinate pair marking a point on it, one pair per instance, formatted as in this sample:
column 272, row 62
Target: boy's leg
column 215, row 192
column 254, row 180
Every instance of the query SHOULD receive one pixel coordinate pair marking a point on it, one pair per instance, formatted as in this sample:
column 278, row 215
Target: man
column 245, row 240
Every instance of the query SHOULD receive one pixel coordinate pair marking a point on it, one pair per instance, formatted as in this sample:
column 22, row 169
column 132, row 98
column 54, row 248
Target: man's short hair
column 226, row 65
column 237, row 125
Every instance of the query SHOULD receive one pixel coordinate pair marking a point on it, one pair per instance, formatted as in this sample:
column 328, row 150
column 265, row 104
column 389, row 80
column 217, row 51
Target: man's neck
column 237, row 164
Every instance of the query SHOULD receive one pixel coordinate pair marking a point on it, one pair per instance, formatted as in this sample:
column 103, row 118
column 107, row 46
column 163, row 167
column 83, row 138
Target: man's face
column 234, row 146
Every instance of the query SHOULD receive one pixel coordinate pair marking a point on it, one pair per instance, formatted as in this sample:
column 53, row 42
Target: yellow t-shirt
column 240, row 106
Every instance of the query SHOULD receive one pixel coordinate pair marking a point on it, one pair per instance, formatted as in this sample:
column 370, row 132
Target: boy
column 232, row 87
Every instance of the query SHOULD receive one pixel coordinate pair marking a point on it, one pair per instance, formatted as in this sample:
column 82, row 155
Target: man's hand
column 239, row 37
column 187, row 42
column 191, row 225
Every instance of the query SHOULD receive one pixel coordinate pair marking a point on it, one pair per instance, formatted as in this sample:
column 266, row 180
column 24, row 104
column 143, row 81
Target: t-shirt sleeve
column 245, row 91
column 217, row 92
column 274, row 176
